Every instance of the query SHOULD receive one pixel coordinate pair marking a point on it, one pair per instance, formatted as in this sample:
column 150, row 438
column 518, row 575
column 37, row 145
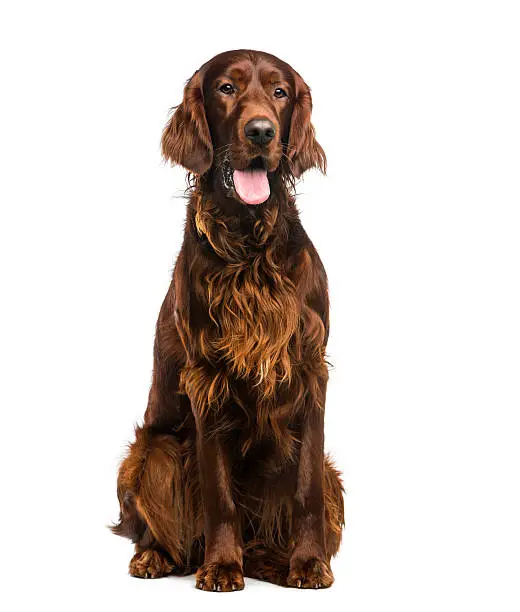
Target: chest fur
column 256, row 314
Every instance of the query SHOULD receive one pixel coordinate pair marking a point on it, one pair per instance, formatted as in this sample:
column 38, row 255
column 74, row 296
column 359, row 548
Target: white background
column 417, row 105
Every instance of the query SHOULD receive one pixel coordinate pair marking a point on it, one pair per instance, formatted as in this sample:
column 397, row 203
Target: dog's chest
column 256, row 315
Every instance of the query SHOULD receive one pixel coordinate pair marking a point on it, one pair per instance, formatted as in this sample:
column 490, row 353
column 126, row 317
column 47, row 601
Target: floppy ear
column 186, row 139
column 304, row 150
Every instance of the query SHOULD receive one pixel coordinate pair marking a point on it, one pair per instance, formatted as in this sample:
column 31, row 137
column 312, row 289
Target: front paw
column 222, row 577
column 310, row 573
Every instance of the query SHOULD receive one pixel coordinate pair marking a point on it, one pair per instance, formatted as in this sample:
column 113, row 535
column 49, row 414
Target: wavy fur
column 228, row 474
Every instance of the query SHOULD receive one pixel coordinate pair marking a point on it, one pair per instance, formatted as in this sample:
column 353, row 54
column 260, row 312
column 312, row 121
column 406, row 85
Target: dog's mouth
column 251, row 184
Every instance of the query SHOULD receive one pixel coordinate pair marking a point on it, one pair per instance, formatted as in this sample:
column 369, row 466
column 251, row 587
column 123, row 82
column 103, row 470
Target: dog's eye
column 280, row 93
column 226, row 88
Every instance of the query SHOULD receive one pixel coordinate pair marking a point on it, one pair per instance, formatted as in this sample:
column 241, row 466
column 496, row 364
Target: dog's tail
column 266, row 564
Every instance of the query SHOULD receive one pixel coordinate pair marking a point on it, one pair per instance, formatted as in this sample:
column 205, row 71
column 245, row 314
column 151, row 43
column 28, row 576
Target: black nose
column 260, row 131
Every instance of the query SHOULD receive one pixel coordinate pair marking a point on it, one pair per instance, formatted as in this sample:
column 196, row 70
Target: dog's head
column 245, row 117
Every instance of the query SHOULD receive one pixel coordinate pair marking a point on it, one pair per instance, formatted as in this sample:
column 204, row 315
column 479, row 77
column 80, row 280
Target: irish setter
column 227, row 476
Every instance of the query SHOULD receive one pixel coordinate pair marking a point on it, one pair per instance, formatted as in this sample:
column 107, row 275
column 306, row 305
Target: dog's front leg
column 222, row 569
column 309, row 566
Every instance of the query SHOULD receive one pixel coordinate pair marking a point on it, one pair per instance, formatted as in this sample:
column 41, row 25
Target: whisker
column 223, row 147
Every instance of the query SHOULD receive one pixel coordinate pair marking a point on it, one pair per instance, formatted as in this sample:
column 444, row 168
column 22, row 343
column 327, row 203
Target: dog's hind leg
column 334, row 508
column 159, row 507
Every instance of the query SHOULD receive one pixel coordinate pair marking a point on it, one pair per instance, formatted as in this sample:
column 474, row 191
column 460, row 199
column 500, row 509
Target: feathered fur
column 228, row 474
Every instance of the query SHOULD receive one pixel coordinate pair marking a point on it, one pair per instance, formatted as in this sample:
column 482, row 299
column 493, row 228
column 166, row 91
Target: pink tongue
column 252, row 185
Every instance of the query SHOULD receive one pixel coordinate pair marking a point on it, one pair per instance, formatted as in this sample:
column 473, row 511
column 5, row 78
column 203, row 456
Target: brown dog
column 228, row 476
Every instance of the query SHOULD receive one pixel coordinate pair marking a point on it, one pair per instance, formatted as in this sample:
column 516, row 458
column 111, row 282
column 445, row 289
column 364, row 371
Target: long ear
column 304, row 150
column 186, row 139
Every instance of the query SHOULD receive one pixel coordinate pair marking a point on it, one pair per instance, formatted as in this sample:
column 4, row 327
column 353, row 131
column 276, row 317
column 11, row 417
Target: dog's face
column 245, row 116
column 248, row 108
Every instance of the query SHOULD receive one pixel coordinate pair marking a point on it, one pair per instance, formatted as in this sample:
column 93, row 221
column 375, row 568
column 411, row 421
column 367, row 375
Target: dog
column 227, row 476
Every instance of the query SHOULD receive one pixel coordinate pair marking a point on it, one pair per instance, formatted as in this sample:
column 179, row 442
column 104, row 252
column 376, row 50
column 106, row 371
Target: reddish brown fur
column 227, row 476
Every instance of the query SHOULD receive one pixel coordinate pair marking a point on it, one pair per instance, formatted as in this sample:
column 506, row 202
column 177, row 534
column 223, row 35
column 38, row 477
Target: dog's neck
column 237, row 232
